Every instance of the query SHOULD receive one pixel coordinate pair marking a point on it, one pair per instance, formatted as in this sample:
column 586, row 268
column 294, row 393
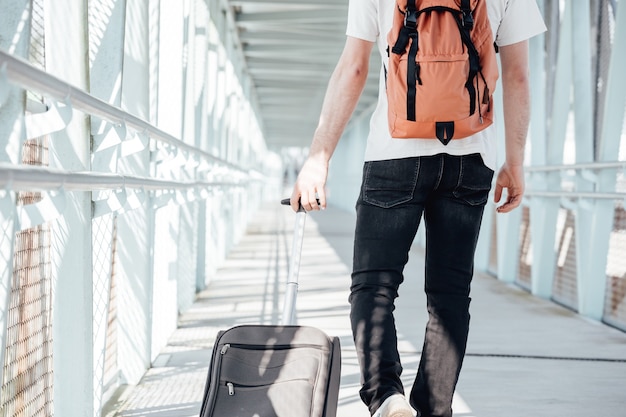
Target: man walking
column 405, row 181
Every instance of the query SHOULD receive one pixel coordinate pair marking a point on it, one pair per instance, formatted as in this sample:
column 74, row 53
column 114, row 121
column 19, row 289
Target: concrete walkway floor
column 527, row 357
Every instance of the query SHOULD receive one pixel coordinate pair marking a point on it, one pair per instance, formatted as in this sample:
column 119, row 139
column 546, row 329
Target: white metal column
column 593, row 286
column 66, row 57
column 134, row 227
column 15, row 21
column 544, row 211
column 106, row 55
column 584, row 114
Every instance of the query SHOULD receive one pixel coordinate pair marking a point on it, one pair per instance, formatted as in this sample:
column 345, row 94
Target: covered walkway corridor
column 526, row 356
column 144, row 147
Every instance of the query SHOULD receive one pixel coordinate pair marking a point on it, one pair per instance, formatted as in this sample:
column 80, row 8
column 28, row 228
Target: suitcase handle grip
column 287, row 202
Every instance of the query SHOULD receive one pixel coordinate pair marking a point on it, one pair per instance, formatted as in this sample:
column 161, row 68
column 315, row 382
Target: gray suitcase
column 275, row 370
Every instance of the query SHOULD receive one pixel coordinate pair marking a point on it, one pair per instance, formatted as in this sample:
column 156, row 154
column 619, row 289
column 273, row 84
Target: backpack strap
column 409, row 31
column 466, row 24
column 410, row 26
column 412, row 76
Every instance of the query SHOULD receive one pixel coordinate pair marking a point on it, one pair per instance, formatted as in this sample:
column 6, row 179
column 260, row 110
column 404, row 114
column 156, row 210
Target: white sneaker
column 394, row 406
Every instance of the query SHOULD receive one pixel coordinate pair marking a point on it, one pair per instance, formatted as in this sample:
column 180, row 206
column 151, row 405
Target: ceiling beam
column 287, row 37
column 286, row 3
column 267, row 18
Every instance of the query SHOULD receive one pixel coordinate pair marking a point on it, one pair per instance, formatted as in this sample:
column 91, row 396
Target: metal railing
column 587, row 172
column 20, row 73
column 24, row 177
column 190, row 195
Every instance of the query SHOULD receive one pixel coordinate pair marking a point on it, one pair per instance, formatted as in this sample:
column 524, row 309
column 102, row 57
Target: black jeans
column 450, row 192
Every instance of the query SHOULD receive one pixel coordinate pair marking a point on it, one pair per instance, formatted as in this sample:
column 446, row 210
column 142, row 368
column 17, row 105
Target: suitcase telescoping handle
column 291, row 292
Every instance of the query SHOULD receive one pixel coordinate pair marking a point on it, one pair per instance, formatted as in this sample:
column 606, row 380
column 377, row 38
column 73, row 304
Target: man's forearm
column 516, row 100
column 517, row 112
column 342, row 95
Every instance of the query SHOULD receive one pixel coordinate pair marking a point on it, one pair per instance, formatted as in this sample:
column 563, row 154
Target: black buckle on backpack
column 468, row 21
column 410, row 19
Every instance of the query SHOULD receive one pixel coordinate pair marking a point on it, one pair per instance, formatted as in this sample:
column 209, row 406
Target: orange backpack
column 442, row 69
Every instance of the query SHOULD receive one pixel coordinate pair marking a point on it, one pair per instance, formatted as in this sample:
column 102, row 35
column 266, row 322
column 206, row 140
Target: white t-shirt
column 511, row 21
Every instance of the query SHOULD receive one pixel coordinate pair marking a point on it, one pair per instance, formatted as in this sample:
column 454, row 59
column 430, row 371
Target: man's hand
column 510, row 177
column 309, row 187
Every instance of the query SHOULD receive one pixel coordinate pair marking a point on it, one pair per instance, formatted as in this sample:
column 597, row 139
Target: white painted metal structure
column 153, row 159
column 161, row 118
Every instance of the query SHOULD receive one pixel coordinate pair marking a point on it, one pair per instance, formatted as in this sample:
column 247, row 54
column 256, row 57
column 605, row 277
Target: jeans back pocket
column 389, row 183
column 474, row 181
